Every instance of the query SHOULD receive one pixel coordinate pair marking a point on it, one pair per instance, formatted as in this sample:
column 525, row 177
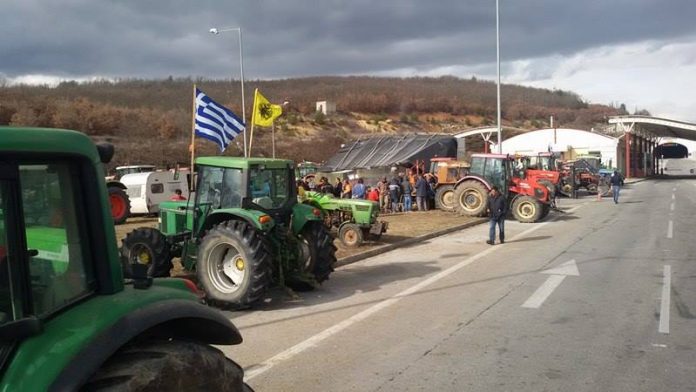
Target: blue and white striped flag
column 215, row 122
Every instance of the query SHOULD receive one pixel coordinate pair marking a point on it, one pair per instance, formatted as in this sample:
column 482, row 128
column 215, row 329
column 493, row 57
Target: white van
column 147, row 190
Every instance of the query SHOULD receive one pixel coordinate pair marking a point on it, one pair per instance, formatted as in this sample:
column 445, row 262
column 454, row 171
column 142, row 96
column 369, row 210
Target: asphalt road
column 601, row 298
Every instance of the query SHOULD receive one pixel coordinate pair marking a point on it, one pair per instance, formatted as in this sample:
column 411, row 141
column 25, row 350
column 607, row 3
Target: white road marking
column 674, row 189
column 664, row 303
column 543, row 292
column 569, row 268
column 671, row 207
column 669, row 229
column 659, row 345
column 673, row 197
column 313, row 341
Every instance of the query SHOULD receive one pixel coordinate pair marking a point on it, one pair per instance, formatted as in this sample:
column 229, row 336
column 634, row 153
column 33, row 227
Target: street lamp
column 241, row 72
column 497, row 51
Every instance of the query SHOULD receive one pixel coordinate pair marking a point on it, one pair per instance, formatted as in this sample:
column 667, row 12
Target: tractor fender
column 303, row 214
column 117, row 184
column 474, row 178
column 177, row 319
column 253, row 217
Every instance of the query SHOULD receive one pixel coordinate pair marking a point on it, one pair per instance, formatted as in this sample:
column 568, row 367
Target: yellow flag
column 265, row 112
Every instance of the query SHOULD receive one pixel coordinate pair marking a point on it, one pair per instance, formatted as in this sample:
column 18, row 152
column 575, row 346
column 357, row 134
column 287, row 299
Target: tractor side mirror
column 106, row 152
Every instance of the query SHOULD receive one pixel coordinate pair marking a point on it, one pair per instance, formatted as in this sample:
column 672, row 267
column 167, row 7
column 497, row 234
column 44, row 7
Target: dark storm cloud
column 155, row 38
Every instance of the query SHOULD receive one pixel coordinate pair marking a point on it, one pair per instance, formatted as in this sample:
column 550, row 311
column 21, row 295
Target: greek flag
column 215, row 122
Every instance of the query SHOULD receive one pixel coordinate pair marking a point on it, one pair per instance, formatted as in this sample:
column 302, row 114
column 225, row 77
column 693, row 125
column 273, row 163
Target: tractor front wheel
column 444, row 197
column 234, row 264
column 147, row 246
column 168, row 365
column 120, row 204
column 470, row 198
column 527, row 209
column 350, row 235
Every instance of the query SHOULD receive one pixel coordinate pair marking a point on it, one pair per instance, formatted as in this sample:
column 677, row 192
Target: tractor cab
column 225, row 184
column 496, row 169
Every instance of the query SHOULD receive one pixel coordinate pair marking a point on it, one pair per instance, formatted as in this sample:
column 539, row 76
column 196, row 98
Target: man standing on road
column 406, row 191
column 616, row 182
column 497, row 209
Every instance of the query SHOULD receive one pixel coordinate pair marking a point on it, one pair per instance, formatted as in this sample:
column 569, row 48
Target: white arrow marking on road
column 568, row 268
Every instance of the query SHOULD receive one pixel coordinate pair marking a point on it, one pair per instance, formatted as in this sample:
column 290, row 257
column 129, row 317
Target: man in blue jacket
column 497, row 209
column 616, row 182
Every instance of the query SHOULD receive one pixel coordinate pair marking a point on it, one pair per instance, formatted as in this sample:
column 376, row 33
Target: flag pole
column 192, row 147
column 253, row 120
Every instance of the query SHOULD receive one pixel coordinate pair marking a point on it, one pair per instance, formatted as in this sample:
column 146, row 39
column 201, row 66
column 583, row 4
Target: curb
column 386, row 248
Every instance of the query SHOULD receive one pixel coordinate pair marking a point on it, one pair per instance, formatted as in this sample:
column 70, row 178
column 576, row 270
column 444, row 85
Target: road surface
column 602, row 298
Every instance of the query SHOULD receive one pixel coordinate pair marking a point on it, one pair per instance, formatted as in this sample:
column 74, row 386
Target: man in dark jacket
column 497, row 209
column 422, row 193
column 616, row 182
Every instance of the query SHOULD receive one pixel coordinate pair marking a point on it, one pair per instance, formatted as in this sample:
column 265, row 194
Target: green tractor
column 355, row 220
column 68, row 321
column 241, row 232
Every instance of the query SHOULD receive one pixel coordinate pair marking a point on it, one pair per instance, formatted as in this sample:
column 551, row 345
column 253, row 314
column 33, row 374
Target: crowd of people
column 400, row 193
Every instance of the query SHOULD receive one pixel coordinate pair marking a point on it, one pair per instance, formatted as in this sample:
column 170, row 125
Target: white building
column 326, row 107
column 570, row 142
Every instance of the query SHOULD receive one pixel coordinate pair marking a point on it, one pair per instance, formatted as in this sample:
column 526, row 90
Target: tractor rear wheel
column 168, row 365
column 444, row 197
column 351, row 235
column 120, row 204
column 318, row 251
column 527, row 209
column 592, row 188
column 470, row 198
column 234, row 264
column 147, row 246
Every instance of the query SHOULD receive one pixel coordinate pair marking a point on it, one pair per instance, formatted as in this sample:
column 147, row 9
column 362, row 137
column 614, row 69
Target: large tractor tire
column 120, row 204
column 318, row 251
column 351, row 235
column 147, row 246
column 444, row 198
column 470, row 198
column 234, row 264
column 592, row 188
column 527, row 209
column 168, row 365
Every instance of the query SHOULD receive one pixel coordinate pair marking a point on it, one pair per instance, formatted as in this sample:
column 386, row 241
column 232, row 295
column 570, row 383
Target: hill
column 149, row 121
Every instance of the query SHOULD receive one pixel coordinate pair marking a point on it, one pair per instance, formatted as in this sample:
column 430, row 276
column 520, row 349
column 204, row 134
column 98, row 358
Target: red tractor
column 544, row 169
column 529, row 200
column 579, row 174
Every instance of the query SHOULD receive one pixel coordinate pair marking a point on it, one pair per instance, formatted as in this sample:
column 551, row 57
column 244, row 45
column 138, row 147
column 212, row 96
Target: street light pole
column 497, row 51
column 241, row 73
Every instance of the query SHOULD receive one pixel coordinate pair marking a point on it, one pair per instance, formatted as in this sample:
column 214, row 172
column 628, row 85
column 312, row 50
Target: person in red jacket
column 177, row 196
column 373, row 194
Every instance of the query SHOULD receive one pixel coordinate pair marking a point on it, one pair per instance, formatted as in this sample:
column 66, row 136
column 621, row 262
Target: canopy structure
column 391, row 151
column 641, row 136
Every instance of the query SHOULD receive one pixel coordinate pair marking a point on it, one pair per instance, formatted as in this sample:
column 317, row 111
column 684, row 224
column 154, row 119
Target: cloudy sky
column 638, row 52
